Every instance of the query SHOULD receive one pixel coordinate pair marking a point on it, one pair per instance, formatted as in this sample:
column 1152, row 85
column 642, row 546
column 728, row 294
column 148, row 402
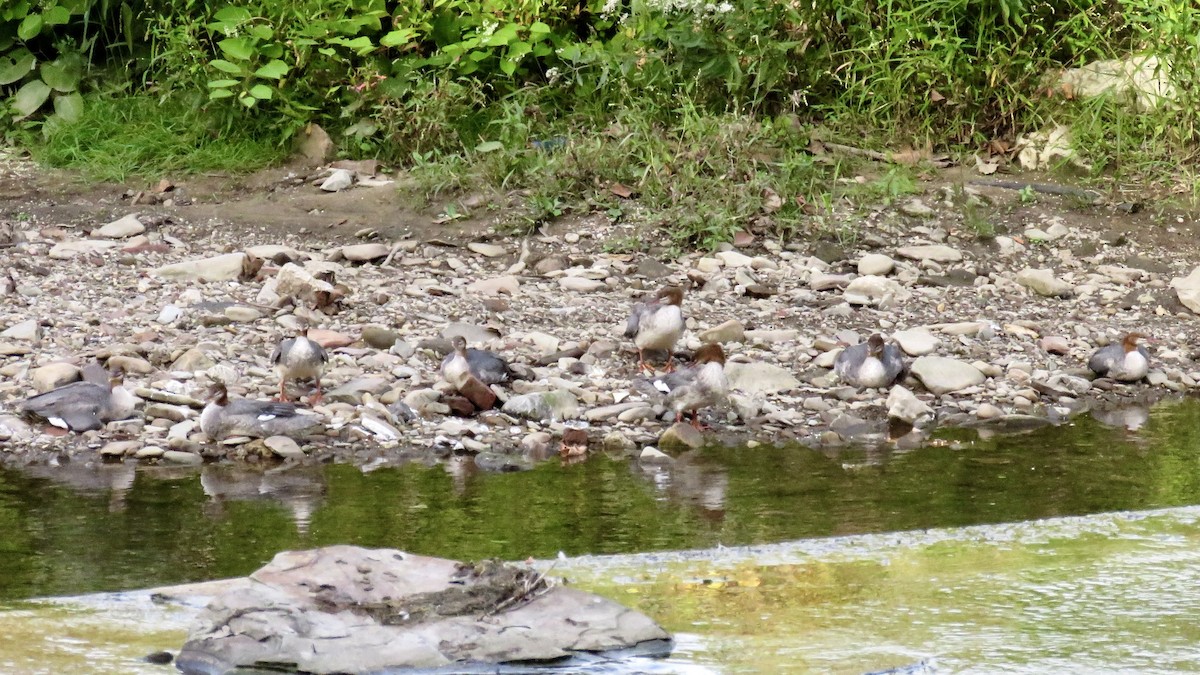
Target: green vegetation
column 697, row 116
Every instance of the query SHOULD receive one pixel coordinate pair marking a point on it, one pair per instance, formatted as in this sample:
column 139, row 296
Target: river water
column 1048, row 551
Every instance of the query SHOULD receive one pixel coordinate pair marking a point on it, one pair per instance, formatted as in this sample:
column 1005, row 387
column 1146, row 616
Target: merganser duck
column 82, row 406
column 297, row 358
column 483, row 365
column 223, row 417
column 697, row 385
column 873, row 364
column 1126, row 360
column 657, row 324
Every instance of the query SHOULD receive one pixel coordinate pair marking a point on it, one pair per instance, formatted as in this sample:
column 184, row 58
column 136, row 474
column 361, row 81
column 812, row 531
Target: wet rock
column 876, row 264
column 27, row 331
column 120, row 448
column 1043, row 282
column 652, row 455
column 988, row 411
column 543, row 405
column 903, row 405
column 730, row 331
column 53, row 376
column 934, row 252
column 344, row 609
column 759, row 377
column 283, row 446
column 916, row 341
column 681, row 436
column 226, row 267
column 942, row 375
column 123, row 228
column 615, row 441
column 180, row 457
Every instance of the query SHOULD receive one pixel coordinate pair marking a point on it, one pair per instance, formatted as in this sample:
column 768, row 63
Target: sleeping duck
column 698, row 385
column 657, row 324
column 483, row 365
column 298, row 358
column 1126, row 360
column 82, row 406
column 224, row 417
column 870, row 364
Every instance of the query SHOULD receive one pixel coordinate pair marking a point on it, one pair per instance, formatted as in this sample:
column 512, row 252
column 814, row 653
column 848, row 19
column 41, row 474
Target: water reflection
column 95, row 526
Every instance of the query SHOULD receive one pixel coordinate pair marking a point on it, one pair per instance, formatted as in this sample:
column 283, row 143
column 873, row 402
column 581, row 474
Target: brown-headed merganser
column 297, row 358
column 872, row 364
column 697, row 385
column 483, row 365
column 657, row 324
column 224, row 417
column 83, row 406
column 1126, row 360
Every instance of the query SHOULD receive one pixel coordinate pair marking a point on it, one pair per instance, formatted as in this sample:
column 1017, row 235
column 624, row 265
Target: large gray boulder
column 345, row 609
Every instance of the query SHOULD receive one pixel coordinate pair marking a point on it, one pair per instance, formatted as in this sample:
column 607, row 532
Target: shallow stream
column 965, row 554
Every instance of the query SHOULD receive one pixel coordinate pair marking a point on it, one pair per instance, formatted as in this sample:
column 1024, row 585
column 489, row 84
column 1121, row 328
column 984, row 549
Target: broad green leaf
column 223, row 84
column 17, row 67
column 261, row 92
column 489, row 146
column 240, row 48
column 30, row 27
column 272, row 70
column 248, row 100
column 62, row 74
column 517, row 50
column 398, row 38
column 271, row 51
column 219, row 93
column 542, row 49
column 69, row 107
column 233, row 15
column 362, row 45
column 502, row 36
column 262, row 32
column 508, row 67
column 225, row 66
column 29, row 98
column 539, row 28
column 57, row 16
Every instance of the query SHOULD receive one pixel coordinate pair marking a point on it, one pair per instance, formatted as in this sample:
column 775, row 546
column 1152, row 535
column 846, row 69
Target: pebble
column 487, row 250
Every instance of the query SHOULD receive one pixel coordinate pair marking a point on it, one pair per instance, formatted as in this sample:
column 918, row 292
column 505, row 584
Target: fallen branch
column 1044, row 188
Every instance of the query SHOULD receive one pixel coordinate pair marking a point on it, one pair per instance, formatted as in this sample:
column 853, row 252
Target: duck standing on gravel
column 1126, row 361
column 224, row 417
column 871, row 364
column 297, row 358
column 82, row 406
column 483, row 365
column 698, row 385
column 657, row 324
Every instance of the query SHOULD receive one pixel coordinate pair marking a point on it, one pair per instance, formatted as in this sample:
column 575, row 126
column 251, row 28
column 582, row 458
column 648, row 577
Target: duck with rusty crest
column 1125, row 361
column 657, row 325
column 872, row 364
column 224, row 417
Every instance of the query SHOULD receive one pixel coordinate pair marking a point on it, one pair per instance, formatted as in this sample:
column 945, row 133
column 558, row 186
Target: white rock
column 496, row 286
column 129, row 226
column 294, row 281
column 581, row 285
column 876, row 264
column 820, row 281
column 226, row 267
column 169, row 314
column 652, row 455
column 65, row 250
column 53, row 376
column 365, row 252
column 905, row 406
column 872, row 290
column 934, row 252
column 941, row 375
column 283, row 446
column 734, row 259
column 486, row 250
column 27, row 330
column 708, row 265
column 338, row 180
column 1043, row 282
column 988, row 411
column 916, row 208
column 1188, row 290
column 916, row 341
column 730, row 331
column 759, row 377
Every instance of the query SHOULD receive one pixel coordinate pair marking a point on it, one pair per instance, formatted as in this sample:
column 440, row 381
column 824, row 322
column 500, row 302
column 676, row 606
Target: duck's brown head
column 875, row 345
column 1130, row 342
column 218, row 394
column 459, row 343
column 670, row 295
column 710, row 354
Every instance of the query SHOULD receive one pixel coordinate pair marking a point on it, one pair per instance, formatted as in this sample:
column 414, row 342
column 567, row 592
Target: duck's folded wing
column 635, row 320
column 488, row 367
column 76, row 394
column 663, row 385
column 261, row 410
column 1102, row 361
column 77, row 419
column 279, row 349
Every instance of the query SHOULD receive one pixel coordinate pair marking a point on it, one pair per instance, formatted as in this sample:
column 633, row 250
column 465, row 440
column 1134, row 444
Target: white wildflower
column 552, row 75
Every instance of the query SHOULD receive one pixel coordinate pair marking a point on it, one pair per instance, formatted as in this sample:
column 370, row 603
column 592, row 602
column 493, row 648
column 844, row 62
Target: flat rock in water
column 345, row 609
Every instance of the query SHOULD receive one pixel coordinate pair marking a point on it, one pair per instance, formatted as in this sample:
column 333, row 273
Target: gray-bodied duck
column 657, row 324
column 483, row 365
column 873, row 363
column 700, row 384
column 1126, row 360
column 297, row 358
column 82, row 406
column 224, row 417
